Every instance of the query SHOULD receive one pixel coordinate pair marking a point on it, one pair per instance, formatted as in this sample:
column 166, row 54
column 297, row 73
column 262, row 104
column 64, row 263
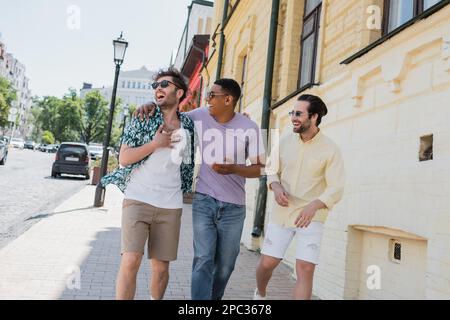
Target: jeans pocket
column 200, row 196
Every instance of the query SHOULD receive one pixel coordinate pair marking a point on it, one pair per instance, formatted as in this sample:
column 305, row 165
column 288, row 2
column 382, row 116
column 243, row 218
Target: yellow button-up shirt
column 308, row 171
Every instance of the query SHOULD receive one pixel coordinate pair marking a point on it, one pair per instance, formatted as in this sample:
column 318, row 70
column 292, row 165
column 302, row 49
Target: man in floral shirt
column 157, row 165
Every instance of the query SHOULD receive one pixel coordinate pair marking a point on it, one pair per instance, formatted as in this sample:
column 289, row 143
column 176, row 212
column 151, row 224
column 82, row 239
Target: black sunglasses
column 210, row 95
column 163, row 84
column 297, row 114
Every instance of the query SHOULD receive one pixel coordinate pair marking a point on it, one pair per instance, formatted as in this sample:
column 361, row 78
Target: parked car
column 48, row 148
column 95, row 151
column 52, row 148
column 3, row 152
column 41, row 147
column 71, row 158
column 17, row 143
column 30, row 145
column 5, row 139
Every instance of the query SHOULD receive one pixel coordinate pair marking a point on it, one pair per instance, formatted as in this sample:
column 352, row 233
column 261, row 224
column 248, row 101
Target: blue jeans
column 217, row 231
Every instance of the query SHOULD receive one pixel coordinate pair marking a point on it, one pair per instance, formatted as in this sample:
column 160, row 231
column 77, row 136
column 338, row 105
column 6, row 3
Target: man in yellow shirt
column 309, row 182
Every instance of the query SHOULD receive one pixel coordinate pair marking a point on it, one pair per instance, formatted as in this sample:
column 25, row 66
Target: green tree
column 118, row 128
column 36, row 132
column 60, row 116
column 7, row 96
column 94, row 117
column 69, row 117
column 48, row 117
column 47, row 137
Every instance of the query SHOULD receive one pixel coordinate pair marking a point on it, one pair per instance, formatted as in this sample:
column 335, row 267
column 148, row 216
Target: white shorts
column 278, row 238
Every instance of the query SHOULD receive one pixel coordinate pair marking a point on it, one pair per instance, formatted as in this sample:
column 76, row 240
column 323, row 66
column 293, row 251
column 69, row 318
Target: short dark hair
column 231, row 87
column 316, row 106
column 177, row 78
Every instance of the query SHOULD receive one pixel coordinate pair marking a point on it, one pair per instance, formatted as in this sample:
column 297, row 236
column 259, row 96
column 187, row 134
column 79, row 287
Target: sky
column 63, row 43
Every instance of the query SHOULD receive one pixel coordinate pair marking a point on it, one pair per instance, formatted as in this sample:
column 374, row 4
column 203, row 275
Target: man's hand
column 145, row 111
column 162, row 139
column 307, row 214
column 281, row 195
column 224, row 169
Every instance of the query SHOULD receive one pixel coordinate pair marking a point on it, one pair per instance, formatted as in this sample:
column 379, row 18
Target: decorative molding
column 393, row 68
column 446, row 51
column 356, row 91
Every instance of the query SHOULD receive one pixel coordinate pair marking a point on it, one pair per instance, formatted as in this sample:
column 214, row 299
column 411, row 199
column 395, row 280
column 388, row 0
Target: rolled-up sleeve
column 335, row 180
column 273, row 165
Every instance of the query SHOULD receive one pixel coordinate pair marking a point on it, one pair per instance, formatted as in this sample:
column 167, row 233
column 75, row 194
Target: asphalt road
column 28, row 193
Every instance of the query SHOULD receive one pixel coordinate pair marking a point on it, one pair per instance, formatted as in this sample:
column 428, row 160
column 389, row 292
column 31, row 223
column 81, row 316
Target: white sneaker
column 256, row 295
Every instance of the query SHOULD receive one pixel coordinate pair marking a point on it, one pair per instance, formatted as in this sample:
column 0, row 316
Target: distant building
column 192, row 53
column 134, row 87
column 14, row 71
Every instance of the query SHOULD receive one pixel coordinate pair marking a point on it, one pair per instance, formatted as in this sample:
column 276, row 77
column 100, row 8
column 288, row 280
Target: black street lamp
column 120, row 46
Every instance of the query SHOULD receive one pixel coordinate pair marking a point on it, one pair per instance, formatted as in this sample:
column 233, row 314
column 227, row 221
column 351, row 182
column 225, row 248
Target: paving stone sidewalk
column 74, row 253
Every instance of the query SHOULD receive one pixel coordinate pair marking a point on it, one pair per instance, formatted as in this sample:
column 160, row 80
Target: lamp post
column 120, row 46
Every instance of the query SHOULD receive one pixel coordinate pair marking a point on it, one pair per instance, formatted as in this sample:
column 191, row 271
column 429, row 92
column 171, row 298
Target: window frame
column 418, row 9
column 425, row 14
column 316, row 12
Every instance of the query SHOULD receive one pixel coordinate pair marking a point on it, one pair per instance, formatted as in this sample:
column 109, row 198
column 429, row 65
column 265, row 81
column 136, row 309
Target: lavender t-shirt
column 236, row 141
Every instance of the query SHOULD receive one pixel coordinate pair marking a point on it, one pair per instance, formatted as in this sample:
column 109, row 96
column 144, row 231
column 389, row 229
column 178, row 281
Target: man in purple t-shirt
column 231, row 151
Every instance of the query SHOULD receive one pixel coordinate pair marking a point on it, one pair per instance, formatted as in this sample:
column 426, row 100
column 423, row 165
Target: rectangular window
column 399, row 12
column 309, row 41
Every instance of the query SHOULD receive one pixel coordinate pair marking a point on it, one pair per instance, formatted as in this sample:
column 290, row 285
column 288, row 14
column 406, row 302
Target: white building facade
column 199, row 22
column 14, row 71
column 133, row 87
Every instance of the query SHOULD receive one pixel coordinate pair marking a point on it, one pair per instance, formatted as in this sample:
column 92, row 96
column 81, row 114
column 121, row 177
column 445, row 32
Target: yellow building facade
column 383, row 69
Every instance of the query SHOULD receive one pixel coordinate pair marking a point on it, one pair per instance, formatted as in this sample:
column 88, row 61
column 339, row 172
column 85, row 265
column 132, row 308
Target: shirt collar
column 313, row 140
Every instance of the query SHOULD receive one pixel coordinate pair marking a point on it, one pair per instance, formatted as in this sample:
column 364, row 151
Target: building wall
column 14, row 71
column 133, row 87
column 380, row 106
column 199, row 22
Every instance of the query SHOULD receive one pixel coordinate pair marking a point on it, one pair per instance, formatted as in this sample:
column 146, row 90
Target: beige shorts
column 161, row 227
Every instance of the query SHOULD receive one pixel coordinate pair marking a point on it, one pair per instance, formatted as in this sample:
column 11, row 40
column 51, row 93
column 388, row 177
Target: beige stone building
column 383, row 68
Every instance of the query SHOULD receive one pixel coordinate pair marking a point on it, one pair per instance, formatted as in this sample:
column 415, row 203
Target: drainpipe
column 260, row 212
column 222, row 39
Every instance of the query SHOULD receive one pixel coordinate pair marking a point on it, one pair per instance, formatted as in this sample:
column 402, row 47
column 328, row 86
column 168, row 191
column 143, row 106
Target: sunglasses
column 297, row 114
column 163, row 84
column 210, row 95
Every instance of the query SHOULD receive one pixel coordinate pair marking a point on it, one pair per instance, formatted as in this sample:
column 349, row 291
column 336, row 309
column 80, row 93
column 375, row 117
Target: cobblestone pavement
column 27, row 192
column 75, row 252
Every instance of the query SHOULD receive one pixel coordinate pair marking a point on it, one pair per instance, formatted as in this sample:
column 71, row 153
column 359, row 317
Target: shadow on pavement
column 47, row 215
column 98, row 271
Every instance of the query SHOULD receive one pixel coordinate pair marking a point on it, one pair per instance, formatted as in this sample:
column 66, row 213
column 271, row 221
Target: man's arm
column 130, row 155
column 251, row 171
column 256, row 156
column 146, row 111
